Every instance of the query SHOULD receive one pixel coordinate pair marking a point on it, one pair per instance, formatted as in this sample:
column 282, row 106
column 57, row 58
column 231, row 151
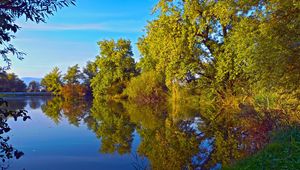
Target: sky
column 70, row 36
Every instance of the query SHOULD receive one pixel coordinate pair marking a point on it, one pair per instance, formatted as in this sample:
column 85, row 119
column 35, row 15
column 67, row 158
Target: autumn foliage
column 73, row 91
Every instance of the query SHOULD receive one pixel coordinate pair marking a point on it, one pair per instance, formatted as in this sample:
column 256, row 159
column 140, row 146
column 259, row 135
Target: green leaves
column 115, row 66
column 9, row 82
column 228, row 45
column 73, row 75
column 147, row 88
column 52, row 81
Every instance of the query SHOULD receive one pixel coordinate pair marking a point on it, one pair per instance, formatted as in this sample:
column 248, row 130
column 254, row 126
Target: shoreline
column 17, row 94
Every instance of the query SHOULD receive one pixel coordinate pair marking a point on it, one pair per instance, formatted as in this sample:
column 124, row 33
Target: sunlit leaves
column 52, row 81
column 73, row 75
column 115, row 67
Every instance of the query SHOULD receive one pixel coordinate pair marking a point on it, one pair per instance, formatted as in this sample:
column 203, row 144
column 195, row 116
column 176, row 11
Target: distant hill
column 27, row 80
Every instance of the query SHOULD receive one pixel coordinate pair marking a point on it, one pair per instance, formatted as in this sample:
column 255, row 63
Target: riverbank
column 17, row 94
column 282, row 153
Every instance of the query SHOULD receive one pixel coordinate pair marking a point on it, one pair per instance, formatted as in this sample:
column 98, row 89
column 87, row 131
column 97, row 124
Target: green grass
column 282, row 153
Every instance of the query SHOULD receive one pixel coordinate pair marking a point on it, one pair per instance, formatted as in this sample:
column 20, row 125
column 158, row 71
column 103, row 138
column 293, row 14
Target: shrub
column 149, row 87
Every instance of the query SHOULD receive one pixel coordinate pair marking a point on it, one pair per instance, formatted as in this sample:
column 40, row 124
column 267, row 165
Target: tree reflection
column 147, row 116
column 35, row 102
column 112, row 124
column 52, row 108
column 168, row 142
column 7, row 151
column 16, row 103
column 73, row 110
column 235, row 132
column 173, row 136
column 179, row 137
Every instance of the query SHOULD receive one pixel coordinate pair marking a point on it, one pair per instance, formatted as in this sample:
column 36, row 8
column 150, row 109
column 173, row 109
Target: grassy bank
column 282, row 153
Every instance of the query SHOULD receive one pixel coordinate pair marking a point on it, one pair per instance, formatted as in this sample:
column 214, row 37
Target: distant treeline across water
column 25, row 94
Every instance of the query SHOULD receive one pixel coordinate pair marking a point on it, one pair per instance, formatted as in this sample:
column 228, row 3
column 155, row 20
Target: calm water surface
column 97, row 135
column 50, row 144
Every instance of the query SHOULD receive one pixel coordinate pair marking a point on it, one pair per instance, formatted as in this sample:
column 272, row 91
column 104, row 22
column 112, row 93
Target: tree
column 268, row 46
column 52, row 81
column 33, row 86
column 9, row 82
column 171, row 48
column 89, row 72
column 73, row 75
column 228, row 45
column 72, row 89
column 36, row 11
column 73, row 92
column 115, row 67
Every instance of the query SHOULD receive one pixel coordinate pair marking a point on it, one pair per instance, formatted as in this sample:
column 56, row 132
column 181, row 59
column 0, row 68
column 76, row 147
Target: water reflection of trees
column 74, row 111
column 173, row 136
column 36, row 102
column 182, row 137
column 168, row 141
column 112, row 124
column 16, row 103
column 7, row 151
column 52, row 108
column 236, row 132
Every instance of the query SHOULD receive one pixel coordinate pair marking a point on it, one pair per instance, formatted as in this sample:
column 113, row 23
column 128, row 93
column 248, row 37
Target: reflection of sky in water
column 62, row 146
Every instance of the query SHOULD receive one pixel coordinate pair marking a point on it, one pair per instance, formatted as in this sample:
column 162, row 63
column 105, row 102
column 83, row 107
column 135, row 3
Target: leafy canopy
column 229, row 45
column 115, row 66
column 73, row 75
column 52, row 81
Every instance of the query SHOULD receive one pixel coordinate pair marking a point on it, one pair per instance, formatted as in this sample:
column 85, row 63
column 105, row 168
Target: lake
column 112, row 135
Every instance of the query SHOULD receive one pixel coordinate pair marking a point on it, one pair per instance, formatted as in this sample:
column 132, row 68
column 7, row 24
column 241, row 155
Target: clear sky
column 70, row 36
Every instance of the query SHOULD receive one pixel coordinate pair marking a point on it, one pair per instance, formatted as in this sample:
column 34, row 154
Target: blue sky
column 70, row 36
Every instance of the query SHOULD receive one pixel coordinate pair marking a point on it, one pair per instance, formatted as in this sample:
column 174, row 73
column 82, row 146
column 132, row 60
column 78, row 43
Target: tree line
column 213, row 49
column 10, row 82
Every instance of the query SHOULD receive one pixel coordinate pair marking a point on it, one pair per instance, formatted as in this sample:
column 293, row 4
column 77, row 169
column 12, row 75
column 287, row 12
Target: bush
column 149, row 87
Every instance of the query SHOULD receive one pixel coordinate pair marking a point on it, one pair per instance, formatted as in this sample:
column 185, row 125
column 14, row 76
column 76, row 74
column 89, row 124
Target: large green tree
column 267, row 46
column 89, row 72
column 227, row 45
column 73, row 75
column 52, row 81
column 115, row 66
